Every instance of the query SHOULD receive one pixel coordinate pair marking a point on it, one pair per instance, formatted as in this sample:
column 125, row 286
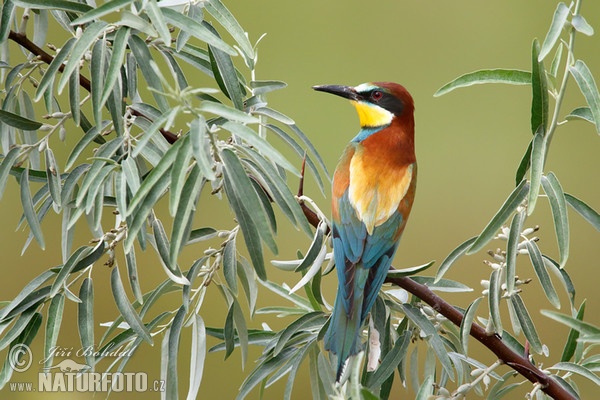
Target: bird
column 372, row 195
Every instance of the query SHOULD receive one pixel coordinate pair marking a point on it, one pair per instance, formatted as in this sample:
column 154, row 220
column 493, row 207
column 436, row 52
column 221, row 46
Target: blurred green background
column 469, row 144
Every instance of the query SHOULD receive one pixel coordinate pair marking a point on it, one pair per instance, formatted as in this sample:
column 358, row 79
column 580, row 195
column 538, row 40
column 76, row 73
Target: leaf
column 314, row 249
column 577, row 369
column 524, row 164
column 230, row 265
column 558, row 205
column 197, row 30
column 201, row 147
column 151, row 180
column 263, row 87
column 158, row 21
column 249, row 200
column 512, row 250
column 30, row 215
column 178, row 176
column 54, row 5
column 251, row 137
column 48, row 79
column 54, row 181
column 173, row 350
column 443, row 285
column 274, row 114
column 27, row 291
column 55, row 314
column 126, row 309
column 573, row 323
column 18, row 121
column 587, row 212
column 218, row 10
column 227, row 112
column 201, row 234
column 198, row 356
column 581, row 25
column 558, row 22
column 526, row 323
column 89, row 37
column 7, row 162
column 587, row 85
column 540, row 270
column 163, row 246
column 458, row 252
column 538, row 156
column 467, row 322
column 508, row 76
column 583, row 113
column 396, row 273
column 494, row 295
column 426, row 388
column 119, row 46
column 510, row 205
column 313, row 270
column 7, row 14
column 571, row 343
column 539, row 88
column 185, row 213
column 225, row 74
column 85, row 319
column 142, row 55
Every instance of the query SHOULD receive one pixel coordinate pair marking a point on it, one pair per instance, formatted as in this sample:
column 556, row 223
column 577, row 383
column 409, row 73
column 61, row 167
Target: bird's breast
column 377, row 185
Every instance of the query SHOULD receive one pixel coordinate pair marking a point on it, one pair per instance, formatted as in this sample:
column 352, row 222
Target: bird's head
column 378, row 104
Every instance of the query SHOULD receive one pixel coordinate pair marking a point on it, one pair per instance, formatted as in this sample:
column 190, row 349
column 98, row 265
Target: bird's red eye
column 376, row 95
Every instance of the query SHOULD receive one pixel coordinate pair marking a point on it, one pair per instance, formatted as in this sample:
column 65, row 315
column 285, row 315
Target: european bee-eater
column 373, row 191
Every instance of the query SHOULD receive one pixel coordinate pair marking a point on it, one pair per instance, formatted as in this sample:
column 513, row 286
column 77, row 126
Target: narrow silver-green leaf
column 512, row 248
column 227, row 112
column 184, row 215
column 178, row 175
column 85, row 319
column 173, row 350
column 467, row 322
column 539, row 89
column 201, row 147
column 54, row 5
column 572, row 343
column 132, row 274
column 274, row 114
column 18, row 121
column 197, row 30
column 26, row 292
column 573, row 323
column 540, row 270
column 581, row 25
column 66, row 269
column 53, row 173
column 28, row 210
column 7, row 14
column 583, row 113
column 143, row 57
column 7, row 162
column 262, row 87
column 253, row 139
column 558, row 22
column 390, row 361
column 526, row 323
column 126, row 309
column 198, row 355
column 577, row 369
column 100, row 11
column 226, row 76
column 458, row 252
column 558, row 205
column 89, row 36
column 218, row 10
column 119, row 45
column 538, row 155
column 556, row 61
column 587, row 212
column 48, row 79
column 163, row 246
column 74, row 101
column 250, row 201
column 55, row 314
column 230, row 265
column 155, row 175
column 494, row 295
column 587, row 85
column 158, row 21
column 508, row 76
column 97, row 78
column 510, row 205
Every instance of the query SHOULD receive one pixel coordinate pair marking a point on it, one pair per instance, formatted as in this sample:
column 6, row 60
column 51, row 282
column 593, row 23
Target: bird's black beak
column 346, row 92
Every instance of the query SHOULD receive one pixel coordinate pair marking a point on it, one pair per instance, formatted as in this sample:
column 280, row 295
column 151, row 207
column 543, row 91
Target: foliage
column 131, row 58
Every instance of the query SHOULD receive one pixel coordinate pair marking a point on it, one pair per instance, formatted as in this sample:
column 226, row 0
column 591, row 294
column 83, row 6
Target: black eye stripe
column 386, row 101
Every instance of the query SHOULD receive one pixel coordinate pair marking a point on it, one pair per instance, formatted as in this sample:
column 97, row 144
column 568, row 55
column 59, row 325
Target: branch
column 519, row 363
column 22, row 40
